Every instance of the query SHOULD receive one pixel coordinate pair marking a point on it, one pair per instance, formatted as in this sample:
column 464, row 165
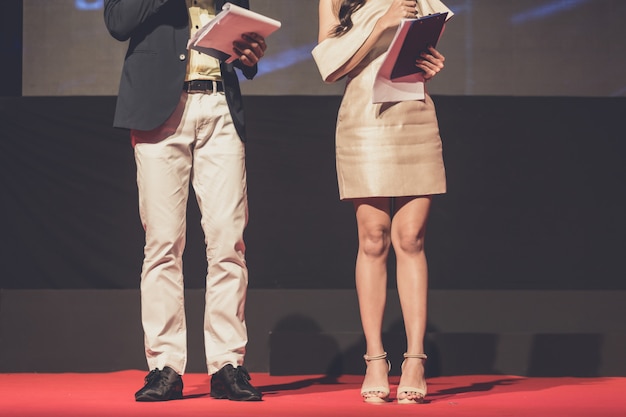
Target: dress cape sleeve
column 333, row 52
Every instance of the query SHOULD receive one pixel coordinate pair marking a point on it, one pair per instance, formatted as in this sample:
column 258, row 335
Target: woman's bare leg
column 374, row 226
column 407, row 236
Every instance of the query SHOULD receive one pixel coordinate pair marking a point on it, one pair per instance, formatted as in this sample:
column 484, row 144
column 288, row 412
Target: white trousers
column 198, row 143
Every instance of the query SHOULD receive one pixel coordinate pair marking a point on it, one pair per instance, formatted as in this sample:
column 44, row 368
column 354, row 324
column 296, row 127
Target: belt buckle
column 206, row 86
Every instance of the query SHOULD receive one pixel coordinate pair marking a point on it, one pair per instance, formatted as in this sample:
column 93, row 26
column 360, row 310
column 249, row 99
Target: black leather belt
column 203, row 86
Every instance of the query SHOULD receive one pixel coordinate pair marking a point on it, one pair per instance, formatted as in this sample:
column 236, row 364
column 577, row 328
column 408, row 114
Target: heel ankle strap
column 415, row 355
column 375, row 357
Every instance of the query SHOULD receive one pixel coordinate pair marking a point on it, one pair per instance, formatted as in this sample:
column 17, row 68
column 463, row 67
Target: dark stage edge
column 526, row 333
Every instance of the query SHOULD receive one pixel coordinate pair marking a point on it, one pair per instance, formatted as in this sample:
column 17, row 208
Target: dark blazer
column 156, row 61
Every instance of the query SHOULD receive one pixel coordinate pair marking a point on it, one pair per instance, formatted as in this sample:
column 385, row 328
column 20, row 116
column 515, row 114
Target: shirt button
column 181, row 57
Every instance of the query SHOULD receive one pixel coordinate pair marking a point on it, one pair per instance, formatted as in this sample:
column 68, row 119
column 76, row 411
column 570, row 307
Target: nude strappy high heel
column 373, row 395
column 411, row 395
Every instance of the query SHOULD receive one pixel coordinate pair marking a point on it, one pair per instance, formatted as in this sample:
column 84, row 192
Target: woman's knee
column 374, row 241
column 410, row 242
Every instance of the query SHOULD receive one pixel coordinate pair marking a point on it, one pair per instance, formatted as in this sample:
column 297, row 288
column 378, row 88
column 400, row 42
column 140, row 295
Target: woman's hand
column 250, row 48
column 430, row 62
column 399, row 9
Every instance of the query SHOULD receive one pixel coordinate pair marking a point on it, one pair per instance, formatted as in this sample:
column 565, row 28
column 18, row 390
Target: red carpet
column 111, row 394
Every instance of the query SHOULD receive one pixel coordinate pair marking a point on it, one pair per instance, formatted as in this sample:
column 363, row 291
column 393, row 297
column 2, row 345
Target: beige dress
column 383, row 149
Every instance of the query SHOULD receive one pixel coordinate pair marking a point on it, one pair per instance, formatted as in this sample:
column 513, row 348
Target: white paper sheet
column 217, row 36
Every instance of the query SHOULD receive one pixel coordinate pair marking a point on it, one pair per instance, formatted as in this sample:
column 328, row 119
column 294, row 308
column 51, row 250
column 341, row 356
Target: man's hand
column 250, row 48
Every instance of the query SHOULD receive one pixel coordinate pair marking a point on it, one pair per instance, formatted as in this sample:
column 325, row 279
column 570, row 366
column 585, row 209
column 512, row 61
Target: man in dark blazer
column 184, row 111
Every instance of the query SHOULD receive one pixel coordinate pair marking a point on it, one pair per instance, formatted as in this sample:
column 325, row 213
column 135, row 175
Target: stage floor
column 111, row 394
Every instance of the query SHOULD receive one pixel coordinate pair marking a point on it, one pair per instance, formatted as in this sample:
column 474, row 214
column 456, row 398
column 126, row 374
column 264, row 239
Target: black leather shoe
column 232, row 383
column 161, row 385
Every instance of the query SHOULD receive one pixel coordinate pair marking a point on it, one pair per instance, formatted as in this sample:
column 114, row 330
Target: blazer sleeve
column 122, row 17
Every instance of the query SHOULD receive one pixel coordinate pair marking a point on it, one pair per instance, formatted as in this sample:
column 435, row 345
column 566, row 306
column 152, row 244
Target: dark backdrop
column 11, row 47
column 536, row 196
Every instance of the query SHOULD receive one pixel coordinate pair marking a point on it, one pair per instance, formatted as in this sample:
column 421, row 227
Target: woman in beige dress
column 389, row 164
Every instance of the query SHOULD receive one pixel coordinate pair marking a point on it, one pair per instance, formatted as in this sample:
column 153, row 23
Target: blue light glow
column 89, row 4
column 459, row 6
column 285, row 59
column 546, row 10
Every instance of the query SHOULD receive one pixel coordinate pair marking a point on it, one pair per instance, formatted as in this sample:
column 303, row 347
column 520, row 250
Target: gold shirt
column 201, row 66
